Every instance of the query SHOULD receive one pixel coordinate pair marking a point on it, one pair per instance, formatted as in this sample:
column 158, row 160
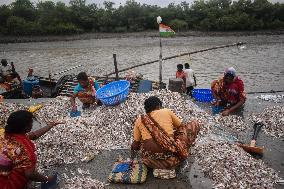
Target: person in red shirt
column 229, row 92
column 180, row 74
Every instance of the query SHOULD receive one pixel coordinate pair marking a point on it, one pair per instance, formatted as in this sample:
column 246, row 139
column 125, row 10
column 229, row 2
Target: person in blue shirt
column 85, row 91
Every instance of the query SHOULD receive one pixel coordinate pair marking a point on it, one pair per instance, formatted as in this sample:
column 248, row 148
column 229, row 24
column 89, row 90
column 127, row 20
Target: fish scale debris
column 231, row 167
column 273, row 120
column 6, row 109
column 271, row 98
column 232, row 122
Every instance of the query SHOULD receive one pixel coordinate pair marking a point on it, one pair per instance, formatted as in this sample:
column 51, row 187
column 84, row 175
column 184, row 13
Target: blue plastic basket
column 202, row 95
column 113, row 93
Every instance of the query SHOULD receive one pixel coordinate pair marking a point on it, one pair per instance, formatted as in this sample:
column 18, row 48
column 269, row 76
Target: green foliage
column 24, row 9
column 16, row 25
column 23, row 17
column 63, row 29
column 120, row 29
column 5, row 13
column 178, row 25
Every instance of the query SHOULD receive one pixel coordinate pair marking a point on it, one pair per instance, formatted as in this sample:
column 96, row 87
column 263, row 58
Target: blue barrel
column 28, row 86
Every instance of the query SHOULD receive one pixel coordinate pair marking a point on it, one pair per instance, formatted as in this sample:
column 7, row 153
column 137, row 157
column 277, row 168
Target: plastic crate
column 113, row 93
column 202, row 95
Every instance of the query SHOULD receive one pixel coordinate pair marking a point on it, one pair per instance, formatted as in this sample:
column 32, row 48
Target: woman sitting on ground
column 162, row 137
column 17, row 152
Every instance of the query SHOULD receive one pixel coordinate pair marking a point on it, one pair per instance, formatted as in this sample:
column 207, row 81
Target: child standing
column 190, row 79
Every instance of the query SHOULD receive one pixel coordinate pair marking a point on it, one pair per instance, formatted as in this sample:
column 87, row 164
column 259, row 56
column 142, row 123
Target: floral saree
column 17, row 154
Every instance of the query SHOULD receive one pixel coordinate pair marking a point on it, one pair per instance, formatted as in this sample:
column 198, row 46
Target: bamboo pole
column 160, row 64
column 179, row 55
column 115, row 67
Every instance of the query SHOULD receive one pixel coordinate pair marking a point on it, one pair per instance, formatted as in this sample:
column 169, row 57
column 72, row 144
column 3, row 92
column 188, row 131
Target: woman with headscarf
column 162, row 137
column 17, row 152
column 229, row 92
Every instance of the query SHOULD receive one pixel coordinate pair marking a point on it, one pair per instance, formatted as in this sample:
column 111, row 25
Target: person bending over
column 85, row 91
column 229, row 92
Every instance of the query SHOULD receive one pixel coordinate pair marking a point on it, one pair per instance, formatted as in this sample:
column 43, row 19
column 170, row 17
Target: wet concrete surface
column 102, row 164
column 188, row 174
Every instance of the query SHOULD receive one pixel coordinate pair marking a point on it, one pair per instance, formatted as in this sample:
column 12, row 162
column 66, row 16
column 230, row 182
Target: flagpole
column 159, row 20
column 160, row 64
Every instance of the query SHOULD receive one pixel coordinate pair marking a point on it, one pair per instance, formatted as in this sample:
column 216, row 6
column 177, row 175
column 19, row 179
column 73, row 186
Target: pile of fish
column 55, row 109
column 81, row 180
column 271, row 98
column 99, row 128
column 6, row 109
column 233, row 122
column 106, row 128
column 229, row 166
column 273, row 120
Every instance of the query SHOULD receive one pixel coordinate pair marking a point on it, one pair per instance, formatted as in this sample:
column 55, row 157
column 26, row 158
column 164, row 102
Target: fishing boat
column 65, row 86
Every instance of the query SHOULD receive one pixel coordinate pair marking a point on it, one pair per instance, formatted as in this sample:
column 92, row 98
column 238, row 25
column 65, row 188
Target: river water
column 260, row 64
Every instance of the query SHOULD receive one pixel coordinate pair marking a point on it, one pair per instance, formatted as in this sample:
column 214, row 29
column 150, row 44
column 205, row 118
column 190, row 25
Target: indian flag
column 166, row 31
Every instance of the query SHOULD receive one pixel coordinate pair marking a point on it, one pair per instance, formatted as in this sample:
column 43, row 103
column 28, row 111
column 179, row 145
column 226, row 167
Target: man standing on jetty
column 229, row 92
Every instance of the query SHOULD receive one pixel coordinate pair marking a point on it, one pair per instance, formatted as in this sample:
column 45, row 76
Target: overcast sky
column 117, row 2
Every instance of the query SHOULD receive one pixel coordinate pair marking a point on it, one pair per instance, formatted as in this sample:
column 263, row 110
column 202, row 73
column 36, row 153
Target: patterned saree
column 174, row 149
column 17, row 154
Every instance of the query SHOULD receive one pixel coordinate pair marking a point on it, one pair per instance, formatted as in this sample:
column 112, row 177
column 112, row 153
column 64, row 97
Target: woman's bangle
column 46, row 177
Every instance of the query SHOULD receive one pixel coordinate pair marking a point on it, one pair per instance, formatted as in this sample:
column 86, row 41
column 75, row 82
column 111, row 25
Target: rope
column 67, row 70
column 271, row 91
column 179, row 55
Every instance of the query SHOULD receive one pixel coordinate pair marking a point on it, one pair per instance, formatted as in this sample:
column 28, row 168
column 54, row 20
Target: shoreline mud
column 87, row 36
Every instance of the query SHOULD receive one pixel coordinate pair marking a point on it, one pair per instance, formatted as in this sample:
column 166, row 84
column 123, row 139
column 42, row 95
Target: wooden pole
column 160, row 65
column 115, row 67
column 179, row 55
column 50, row 85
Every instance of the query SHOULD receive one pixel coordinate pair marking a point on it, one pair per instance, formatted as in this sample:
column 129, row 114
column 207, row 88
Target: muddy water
column 260, row 65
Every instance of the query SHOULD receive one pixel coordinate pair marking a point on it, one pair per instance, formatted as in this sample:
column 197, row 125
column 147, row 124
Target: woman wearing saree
column 162, row 137
column 17, row 152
